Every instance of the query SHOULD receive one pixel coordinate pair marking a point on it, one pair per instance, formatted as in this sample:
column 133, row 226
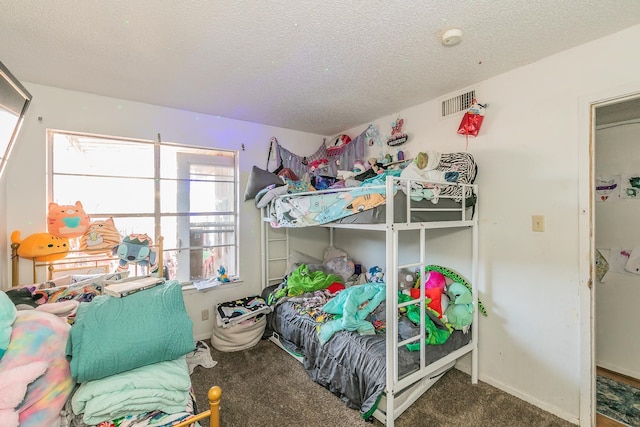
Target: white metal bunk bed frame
column 400, row 393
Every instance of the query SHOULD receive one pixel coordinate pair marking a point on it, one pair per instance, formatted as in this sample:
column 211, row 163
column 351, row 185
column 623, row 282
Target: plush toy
column 455, row 277
column 100, row 236
column 222, row 275
column 137, row 249
column 434, row 290
column 318, row 166
column 460, row 311
column 67, row 220
column 41, row 246
column 339, row 142
column 375, row 275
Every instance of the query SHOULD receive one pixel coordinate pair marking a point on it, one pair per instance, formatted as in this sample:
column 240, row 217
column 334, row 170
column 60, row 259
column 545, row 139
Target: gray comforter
column 350, row 365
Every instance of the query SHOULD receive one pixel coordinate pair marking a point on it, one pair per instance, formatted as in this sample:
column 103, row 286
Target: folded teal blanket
column 161, row 386
column 113, row 335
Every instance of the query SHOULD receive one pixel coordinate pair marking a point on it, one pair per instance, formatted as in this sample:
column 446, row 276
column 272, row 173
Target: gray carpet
column 264, row 387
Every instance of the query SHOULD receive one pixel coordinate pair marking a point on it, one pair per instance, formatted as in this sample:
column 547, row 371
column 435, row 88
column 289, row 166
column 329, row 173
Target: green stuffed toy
column 459, row 313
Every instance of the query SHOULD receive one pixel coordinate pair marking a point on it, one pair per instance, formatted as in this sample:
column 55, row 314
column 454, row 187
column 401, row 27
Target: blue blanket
column 112, row 335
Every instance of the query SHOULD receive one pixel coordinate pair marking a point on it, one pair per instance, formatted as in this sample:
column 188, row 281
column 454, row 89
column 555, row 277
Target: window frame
column 157, row 215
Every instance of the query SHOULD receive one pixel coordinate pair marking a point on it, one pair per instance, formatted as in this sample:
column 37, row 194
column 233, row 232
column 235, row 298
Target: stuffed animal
column 222, row 275
column 41, row 246
column 100, row 236
column 375, row 275
column 137, row 249
column 434, row 289
column 67, row 220
column 459, row 313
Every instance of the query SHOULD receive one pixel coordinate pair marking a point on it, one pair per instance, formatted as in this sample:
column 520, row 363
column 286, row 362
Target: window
column 187, row 195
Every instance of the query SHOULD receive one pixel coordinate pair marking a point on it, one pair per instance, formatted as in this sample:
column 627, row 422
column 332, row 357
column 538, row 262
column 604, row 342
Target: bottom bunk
column 353, row 365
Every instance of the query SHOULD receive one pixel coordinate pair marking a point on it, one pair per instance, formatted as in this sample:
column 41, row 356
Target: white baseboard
column 529, row 399
column 618, row 369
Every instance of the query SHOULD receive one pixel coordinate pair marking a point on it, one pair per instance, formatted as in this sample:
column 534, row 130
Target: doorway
column 617, row 281
column 614, row 109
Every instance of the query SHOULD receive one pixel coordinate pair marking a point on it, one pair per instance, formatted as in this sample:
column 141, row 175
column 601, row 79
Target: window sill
column 190, row 288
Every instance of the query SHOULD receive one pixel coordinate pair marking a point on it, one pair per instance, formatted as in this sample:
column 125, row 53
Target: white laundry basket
column 240, row 336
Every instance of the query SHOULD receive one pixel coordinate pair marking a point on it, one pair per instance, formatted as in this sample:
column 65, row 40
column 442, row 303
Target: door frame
column 586, row 227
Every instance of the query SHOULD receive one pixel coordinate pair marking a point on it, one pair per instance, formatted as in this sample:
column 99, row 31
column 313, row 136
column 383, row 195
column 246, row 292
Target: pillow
column 259, row 179
column 265, row 198
column 296, row 258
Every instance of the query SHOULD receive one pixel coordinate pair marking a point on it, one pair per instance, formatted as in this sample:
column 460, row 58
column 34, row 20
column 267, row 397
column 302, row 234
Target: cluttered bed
column 373, row 341
column 71, row 356
column 436, row 183
column 334, row 322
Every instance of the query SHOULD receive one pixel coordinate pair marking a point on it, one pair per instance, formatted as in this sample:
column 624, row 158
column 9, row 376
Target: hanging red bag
column 472, row 120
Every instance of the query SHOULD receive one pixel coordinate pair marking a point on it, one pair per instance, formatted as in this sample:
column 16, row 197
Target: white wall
column 528, row 157
column 23, row 186
column 618, row 152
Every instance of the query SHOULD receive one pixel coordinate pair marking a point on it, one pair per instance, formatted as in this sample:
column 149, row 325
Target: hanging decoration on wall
column 336, row 147
column 630, row 186
column 397, row 136
column 344, row 156
column 472, row 120
column 607, row 188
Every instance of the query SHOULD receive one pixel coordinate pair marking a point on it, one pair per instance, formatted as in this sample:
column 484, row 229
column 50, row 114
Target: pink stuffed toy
column 434, row 288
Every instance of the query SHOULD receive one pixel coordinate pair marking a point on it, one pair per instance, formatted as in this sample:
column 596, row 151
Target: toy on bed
column 423, row 168
column 41, row 246
column 101, row 236
column 434, row 289
column 67, row 220
column 375, row 275
column 137, row 249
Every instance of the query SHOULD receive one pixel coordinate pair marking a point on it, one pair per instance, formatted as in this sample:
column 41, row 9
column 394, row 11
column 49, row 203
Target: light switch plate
column 537, row 223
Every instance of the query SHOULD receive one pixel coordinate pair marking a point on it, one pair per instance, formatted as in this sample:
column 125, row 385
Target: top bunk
column 433, row 190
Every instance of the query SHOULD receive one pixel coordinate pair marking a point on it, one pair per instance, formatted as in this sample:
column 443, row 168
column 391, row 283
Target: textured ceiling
column 314, row 66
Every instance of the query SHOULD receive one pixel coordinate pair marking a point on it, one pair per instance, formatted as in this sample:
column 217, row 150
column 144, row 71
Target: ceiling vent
column 458, row 103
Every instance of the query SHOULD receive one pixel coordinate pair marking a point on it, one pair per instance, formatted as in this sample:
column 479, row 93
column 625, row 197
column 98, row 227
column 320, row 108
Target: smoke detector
column 452, row 37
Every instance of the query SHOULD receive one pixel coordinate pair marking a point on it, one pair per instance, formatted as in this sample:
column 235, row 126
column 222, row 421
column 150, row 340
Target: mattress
column 351, row 366
column 435, row 212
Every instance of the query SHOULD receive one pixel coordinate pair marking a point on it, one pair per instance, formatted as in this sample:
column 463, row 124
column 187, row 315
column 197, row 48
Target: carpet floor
column 618, row 401
column 264, row 386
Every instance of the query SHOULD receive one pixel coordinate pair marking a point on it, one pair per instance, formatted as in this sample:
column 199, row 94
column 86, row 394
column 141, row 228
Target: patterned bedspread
column 317, row 209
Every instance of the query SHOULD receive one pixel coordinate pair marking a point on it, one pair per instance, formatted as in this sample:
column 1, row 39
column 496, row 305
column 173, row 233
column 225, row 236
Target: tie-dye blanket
column 38, row 338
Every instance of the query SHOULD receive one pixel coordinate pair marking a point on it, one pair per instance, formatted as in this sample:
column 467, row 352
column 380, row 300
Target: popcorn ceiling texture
column 317, row 67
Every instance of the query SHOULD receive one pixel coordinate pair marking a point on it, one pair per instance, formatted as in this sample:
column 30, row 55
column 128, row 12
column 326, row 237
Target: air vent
column 458, row 103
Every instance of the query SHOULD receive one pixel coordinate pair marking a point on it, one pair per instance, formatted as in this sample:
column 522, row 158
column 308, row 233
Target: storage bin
column 239, row 324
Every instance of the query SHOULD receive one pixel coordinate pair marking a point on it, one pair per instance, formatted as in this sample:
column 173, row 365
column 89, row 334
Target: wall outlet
column 205, row 314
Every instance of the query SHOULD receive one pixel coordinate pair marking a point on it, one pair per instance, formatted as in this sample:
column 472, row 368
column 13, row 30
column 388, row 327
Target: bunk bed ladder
column 265, row 244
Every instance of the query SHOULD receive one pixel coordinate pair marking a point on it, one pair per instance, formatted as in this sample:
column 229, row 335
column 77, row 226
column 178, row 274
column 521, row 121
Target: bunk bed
column 376, row 373
column 48, row 335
